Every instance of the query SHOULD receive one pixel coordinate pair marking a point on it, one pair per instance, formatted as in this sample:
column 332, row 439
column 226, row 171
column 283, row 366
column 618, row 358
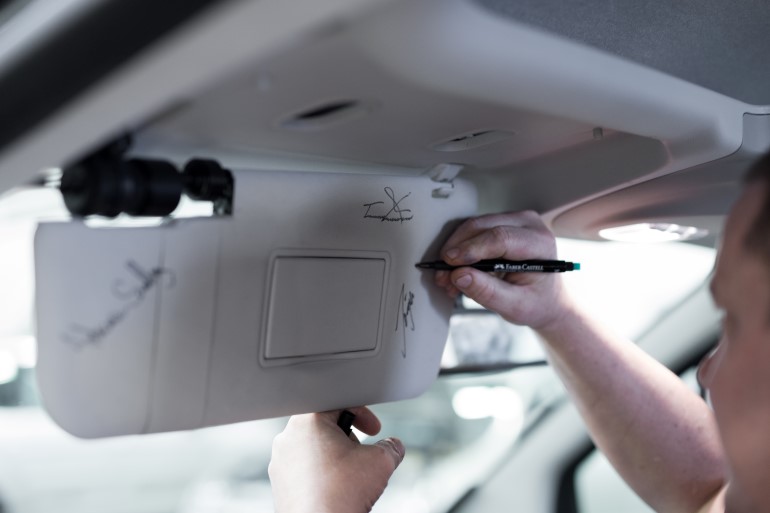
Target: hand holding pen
column 500, row 265
column 534, row 297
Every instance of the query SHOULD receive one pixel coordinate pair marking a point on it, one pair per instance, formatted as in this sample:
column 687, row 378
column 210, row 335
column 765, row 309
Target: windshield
column 455, row 434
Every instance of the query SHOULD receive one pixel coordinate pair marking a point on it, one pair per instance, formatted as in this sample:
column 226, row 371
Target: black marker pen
column 507, row 266
column 345, row 421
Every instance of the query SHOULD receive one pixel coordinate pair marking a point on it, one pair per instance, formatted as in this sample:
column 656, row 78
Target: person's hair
column 758, row 236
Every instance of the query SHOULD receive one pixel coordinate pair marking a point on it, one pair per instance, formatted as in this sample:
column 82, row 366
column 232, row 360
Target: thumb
column 388, row 453
column 374, row 466
column 490, row 292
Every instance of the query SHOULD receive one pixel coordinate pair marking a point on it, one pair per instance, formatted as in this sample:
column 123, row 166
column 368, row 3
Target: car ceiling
column 598, row 114
column 716, row 44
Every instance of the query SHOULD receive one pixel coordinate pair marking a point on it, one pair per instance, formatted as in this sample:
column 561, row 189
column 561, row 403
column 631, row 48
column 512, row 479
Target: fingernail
column 463, row 281
column 397, row 446
column 452, row 253
column 440, row 275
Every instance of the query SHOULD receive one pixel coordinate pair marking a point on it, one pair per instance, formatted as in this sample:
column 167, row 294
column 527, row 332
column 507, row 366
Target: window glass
column 630, row 286
column 456, row 433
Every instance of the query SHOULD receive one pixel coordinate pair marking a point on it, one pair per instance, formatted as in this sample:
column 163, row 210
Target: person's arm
column 315, row 468
column 660, row 436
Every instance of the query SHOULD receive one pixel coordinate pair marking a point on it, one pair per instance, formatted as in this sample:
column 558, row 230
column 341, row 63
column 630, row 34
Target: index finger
column 473, row 227
column 512, row 243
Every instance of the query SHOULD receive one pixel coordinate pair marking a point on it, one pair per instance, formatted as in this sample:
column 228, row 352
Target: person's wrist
column 565, row 315
column 326, row 502
column 347, row 499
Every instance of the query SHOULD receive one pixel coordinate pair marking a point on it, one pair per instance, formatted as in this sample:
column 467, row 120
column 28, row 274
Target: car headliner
column 614, row 97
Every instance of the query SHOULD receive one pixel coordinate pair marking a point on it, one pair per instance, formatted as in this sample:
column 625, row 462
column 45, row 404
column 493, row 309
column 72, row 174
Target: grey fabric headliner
column 719, row 45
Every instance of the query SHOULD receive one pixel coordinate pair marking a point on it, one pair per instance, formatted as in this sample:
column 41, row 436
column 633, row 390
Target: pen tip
column 576, row 266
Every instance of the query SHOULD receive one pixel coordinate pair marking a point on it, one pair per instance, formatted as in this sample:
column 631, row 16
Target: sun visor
column 305, row 299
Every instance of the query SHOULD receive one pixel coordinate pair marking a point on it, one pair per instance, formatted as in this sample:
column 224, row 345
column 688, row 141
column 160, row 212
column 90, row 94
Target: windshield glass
column 455, row 434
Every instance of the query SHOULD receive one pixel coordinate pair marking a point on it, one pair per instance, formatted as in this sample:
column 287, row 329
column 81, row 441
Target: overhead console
column 696, row 199
column 304, row 298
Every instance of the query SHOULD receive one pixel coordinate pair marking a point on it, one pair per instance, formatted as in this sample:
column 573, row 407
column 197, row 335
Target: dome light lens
column 653, row 232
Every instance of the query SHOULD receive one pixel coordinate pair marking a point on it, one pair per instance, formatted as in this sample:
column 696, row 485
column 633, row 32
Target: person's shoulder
column 716, row 504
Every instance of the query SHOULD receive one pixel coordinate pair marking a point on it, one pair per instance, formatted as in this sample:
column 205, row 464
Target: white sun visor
column 305, row 299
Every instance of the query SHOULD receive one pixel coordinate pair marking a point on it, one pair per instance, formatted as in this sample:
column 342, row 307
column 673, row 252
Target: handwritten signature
column 396, row 213
column 132, row 292
column 405, row 318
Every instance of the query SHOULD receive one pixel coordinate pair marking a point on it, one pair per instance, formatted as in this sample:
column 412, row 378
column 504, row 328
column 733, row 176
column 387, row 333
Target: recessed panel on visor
column 309, row 299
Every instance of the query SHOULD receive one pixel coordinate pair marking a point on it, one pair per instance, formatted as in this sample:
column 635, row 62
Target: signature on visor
column 131, row 293
column 395, row 212
column 405, row 318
